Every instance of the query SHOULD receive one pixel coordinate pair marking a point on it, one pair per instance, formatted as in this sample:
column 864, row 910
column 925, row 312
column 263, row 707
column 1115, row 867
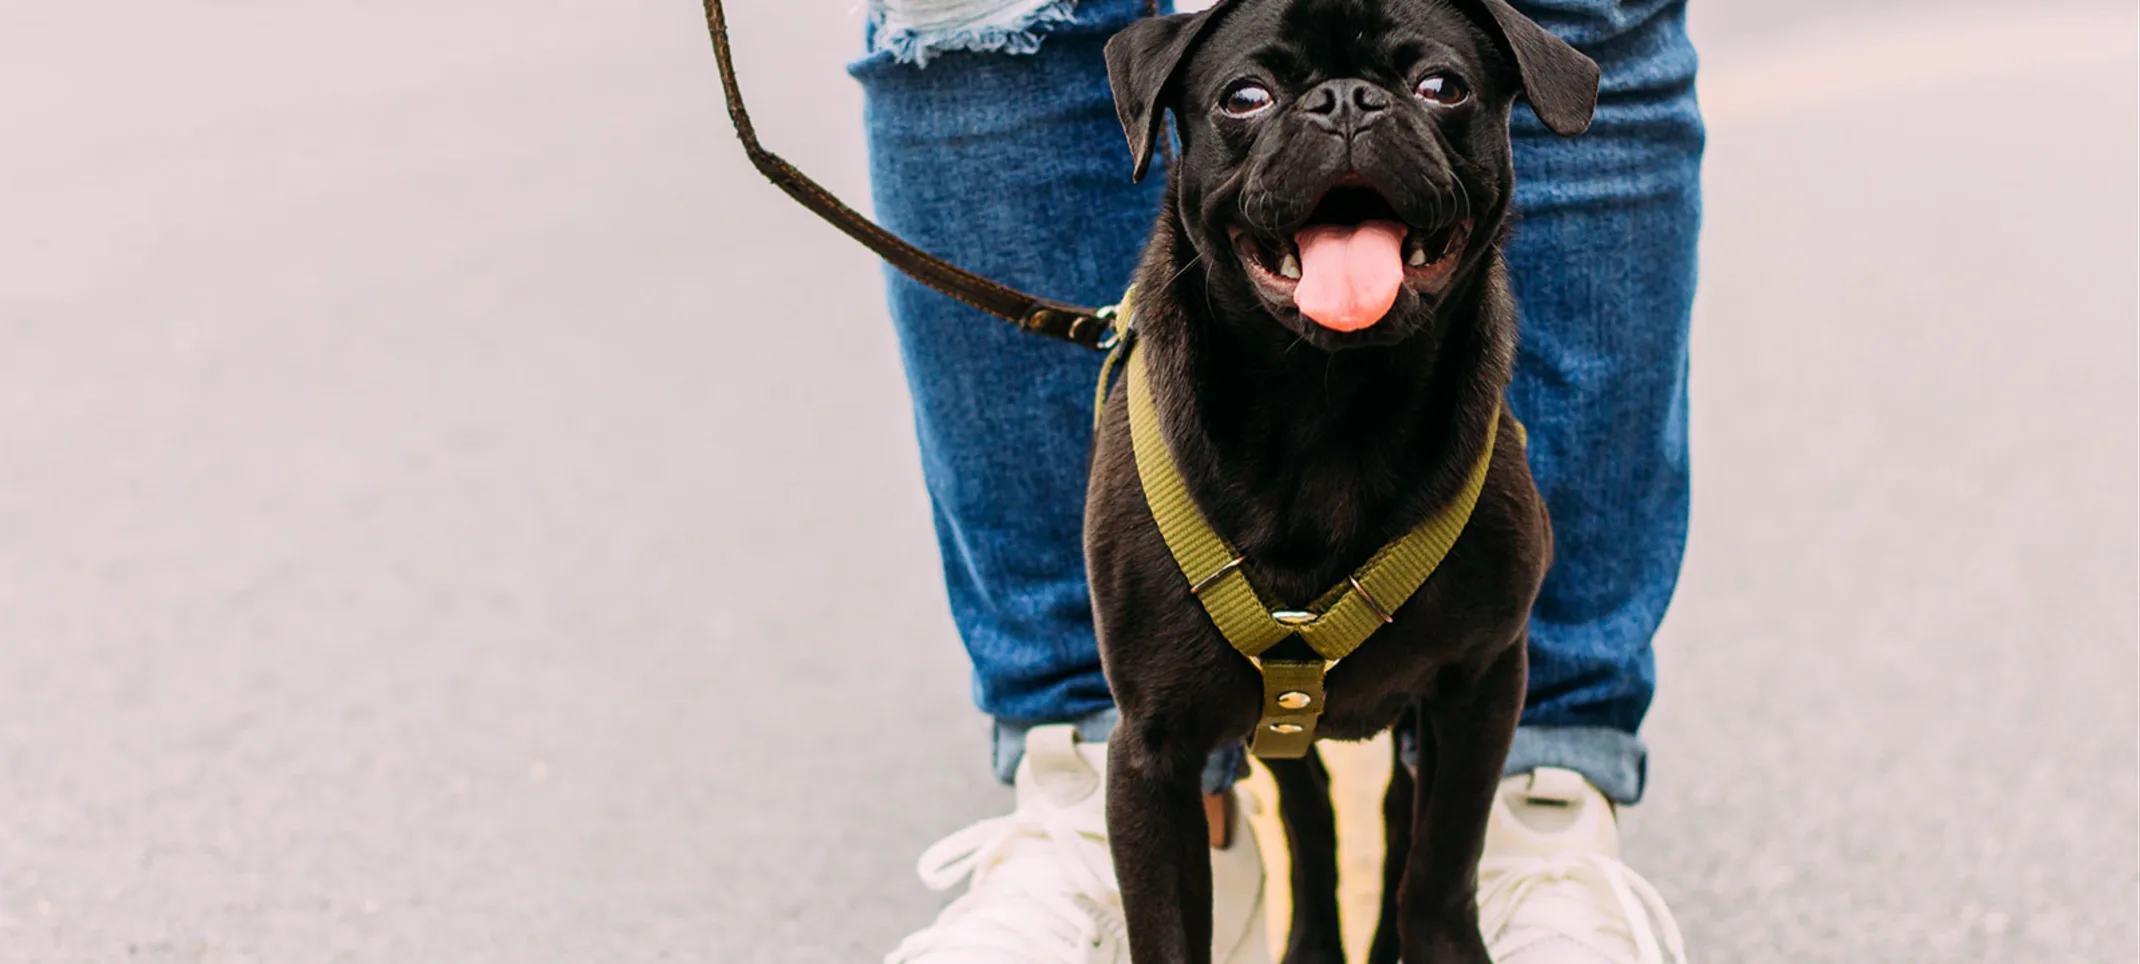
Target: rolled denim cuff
column 1615, row 762
column 1226, row 766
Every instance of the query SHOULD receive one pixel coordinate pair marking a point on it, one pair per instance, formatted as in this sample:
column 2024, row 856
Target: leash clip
column 1115, row 333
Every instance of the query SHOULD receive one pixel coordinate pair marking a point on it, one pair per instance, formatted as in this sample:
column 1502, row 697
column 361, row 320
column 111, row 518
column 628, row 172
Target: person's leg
column 1603, row 262
column 1002, row 153
column 1010, row 166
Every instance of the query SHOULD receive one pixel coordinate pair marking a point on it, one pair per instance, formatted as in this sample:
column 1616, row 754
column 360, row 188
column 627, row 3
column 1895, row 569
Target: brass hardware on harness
column 1213, row 579
column 1294, row 618
column 1369, row 599
column 1292, row 701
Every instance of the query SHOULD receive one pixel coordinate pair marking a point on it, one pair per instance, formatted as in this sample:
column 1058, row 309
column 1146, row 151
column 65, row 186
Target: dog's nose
column 1346, row 105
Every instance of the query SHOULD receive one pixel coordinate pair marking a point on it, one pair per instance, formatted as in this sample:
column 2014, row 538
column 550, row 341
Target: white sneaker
column 1552, row 889
column 1043, row 885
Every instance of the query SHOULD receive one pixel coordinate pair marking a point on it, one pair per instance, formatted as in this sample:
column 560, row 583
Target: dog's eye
column 1442, row 89
column 1244, row 99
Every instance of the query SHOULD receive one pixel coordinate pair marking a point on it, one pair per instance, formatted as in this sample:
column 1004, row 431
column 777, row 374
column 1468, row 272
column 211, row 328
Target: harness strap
column 1334, row 626
column 1125, row 335
column 1079, row 326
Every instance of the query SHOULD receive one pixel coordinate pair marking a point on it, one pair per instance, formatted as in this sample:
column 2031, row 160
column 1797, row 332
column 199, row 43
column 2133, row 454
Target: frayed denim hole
column 913, row 31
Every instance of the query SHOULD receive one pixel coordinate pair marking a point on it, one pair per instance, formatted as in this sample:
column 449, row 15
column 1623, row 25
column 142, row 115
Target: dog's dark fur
column 1311, row 448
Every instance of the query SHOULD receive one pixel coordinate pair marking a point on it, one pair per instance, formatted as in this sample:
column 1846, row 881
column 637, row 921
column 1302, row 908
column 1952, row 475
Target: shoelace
column 1508, row 882
column 1012, row 877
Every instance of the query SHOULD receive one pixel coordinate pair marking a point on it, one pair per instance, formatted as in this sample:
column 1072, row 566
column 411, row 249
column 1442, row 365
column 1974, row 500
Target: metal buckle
column 1114, row 334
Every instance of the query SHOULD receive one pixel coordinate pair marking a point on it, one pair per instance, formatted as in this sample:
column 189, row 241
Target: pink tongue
column 1349, row 274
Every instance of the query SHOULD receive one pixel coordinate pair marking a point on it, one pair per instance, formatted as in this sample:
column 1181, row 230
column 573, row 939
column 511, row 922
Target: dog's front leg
column 1397, row 837
column 1161, row 842
column 1311, row 839
column 1470, row 731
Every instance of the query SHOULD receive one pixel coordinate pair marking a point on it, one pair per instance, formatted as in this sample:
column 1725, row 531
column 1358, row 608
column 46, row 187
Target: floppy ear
column 1561, row 83
column 1141, row 63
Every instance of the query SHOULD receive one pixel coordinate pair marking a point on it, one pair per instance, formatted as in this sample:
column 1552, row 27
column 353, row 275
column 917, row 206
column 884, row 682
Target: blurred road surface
column 426, row 443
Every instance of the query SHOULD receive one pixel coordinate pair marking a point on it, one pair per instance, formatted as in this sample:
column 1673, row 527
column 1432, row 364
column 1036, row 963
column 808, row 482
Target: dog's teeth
column 1418, row 257
column 1290, row 267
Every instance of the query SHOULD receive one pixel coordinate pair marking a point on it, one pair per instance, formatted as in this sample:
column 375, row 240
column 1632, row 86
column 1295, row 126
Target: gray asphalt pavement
column 430, row 454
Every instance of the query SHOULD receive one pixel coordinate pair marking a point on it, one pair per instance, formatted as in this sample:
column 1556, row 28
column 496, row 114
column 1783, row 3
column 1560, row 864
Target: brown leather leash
column 1090, row 327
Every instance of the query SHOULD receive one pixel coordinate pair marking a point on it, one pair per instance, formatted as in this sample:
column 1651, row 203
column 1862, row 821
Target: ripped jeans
column 994, row 144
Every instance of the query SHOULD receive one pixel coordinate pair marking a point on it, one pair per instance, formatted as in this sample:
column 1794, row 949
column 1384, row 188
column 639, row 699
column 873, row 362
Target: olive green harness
column 1333, row 626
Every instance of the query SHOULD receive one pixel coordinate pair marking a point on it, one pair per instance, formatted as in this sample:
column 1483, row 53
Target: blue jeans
column 993, row 143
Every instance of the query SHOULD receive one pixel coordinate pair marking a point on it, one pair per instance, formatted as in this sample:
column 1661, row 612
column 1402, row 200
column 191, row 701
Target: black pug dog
column 1328, row 331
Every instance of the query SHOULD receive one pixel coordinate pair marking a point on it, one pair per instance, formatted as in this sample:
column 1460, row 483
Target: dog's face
column 1344, row 163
